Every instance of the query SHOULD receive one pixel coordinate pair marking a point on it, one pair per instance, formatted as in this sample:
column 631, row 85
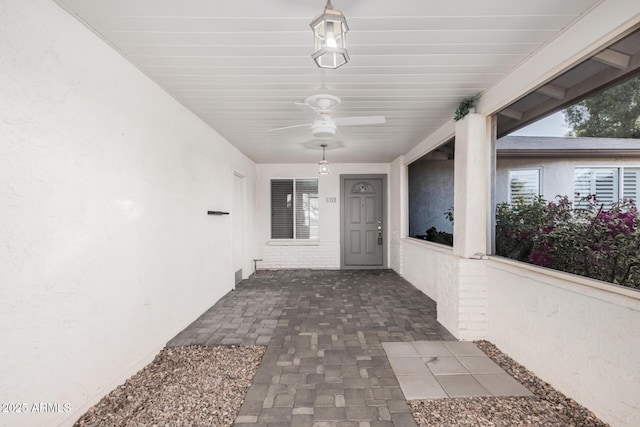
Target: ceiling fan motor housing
column 323, row 128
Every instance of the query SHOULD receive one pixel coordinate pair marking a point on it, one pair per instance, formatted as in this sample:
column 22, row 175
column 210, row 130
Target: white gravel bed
column 548, row 407
column 183, row 386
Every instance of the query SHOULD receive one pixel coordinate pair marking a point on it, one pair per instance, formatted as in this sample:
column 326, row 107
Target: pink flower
column 540, row 258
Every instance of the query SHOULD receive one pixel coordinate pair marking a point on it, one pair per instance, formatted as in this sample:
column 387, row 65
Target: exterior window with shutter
column 603, row 182
column 524, row 184
column 631, row 184
column 294, row 209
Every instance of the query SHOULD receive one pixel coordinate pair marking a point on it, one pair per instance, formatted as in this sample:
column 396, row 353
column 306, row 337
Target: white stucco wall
column 397, row 213
column 325, row 252
column 581, row 339
column 106, row 251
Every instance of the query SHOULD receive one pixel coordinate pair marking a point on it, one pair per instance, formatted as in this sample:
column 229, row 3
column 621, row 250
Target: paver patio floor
column 325, row 363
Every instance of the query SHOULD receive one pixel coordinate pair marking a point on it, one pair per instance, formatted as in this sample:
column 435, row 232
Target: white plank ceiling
column 240, row 65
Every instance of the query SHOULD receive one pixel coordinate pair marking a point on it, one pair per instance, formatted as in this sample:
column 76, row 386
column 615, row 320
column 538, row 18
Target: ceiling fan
column 317, row 107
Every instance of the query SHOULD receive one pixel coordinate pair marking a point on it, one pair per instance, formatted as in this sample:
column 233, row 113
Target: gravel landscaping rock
column 548, row 407
column 183, row 386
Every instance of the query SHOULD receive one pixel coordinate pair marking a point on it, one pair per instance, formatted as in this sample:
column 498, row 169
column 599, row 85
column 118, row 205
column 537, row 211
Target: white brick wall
column 277, row 255
column 458, row 285
column 473, row 299
column 447, row 300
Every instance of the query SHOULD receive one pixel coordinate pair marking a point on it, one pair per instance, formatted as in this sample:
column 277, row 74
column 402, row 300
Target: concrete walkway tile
column 398, row 406
column 247, row 419
column 300, row 420
column 423, row 387
column 408, row 366
column 462, row 386
column 330, row 414
column 480, row 365
column 271, row 415
column 400, row 349
column 445, row 365
column 354, row 397
column 362, row 413
column 502, row 385
column 462, row 348
column 328, row 334
column 403, row 420
column 432, row 348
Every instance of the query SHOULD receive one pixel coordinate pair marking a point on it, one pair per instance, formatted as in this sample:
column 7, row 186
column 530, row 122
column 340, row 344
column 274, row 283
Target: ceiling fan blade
column 309, row 110
column 289, row 127
column 359, row 120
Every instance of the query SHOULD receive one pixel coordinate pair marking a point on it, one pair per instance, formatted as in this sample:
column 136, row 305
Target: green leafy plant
column 433, row 235
column 449, row 214
column 465, row 107
column 588, row 239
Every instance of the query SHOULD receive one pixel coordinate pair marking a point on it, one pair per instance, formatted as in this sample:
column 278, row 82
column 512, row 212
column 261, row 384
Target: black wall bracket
column 217, row 213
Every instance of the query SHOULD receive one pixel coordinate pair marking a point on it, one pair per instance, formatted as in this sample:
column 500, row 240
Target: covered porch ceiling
column 241, row 65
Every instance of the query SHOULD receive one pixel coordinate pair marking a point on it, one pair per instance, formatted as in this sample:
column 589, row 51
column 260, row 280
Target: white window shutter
column 603, row 182
column 524, row 184
column 631, row 186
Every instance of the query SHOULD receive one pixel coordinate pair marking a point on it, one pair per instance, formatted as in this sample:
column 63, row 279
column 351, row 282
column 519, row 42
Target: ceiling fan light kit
column 318, row 106
column 323, row 164
column 323, row 128
column 329, row 35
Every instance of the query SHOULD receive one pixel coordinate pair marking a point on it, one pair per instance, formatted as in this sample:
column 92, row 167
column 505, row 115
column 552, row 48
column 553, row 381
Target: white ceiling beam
column 574, row 94
column 613, row 58
column 551, row 91
column 511, row 113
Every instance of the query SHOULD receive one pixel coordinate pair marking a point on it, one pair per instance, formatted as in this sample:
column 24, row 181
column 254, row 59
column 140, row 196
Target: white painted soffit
column 241, row 65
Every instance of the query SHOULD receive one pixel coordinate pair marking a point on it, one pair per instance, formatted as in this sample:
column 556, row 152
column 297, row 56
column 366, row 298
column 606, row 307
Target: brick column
column 462, row 280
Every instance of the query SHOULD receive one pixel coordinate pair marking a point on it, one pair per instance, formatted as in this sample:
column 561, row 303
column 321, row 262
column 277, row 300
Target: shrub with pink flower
column 589, row 239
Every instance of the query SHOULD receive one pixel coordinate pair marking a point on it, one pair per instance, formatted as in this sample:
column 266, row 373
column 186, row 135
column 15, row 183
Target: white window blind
column 603, row 182
column 631, row 185
column 524, row 184
column 294, row 209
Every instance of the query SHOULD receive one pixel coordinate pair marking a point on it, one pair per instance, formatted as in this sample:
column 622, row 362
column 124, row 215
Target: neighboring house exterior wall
column 556, row 175
column 430, row 196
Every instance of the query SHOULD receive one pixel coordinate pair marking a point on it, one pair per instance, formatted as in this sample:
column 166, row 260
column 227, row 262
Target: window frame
column 618, row 176
column 445, row 151
column 538, row 169
column 294, row 222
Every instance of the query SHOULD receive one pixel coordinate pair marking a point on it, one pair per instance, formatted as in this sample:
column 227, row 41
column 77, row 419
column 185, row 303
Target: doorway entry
column 363, row 226
column 237, row 217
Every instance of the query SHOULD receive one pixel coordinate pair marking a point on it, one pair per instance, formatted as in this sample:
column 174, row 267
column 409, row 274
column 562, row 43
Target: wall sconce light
column 329, row 35
column 323, row 164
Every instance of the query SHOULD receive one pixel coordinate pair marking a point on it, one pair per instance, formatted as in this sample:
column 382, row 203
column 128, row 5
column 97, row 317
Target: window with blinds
column 631, row 185
column 294, row 209
column 605, row 184
column 524, row 184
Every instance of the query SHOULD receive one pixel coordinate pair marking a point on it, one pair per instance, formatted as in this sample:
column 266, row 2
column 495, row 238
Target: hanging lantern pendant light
column 329, row 35
column 323, row 164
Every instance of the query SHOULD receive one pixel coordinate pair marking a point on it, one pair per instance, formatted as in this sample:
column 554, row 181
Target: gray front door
column 362, row 222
